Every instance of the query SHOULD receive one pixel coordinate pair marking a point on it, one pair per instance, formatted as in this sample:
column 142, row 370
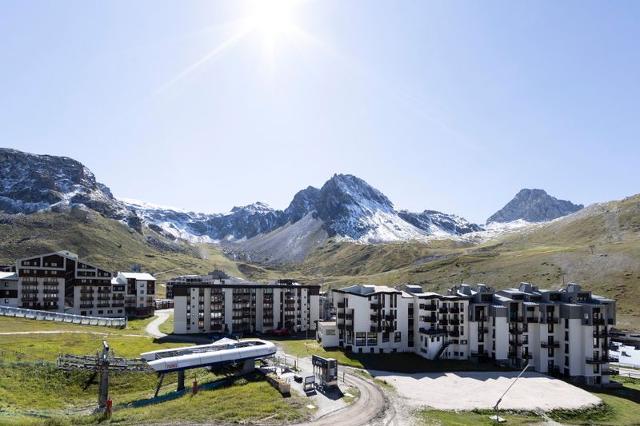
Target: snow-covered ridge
column 345, row 208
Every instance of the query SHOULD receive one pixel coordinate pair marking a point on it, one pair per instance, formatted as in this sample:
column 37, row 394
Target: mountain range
column 326, row 235
column 345, row 208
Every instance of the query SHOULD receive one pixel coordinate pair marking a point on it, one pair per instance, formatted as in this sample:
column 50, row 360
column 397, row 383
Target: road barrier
column 34, row 314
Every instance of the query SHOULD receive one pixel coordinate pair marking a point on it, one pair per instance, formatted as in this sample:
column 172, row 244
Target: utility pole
column 495, row 417
column 103, row 370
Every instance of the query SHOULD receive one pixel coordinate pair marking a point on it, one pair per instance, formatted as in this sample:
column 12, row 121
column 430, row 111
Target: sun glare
column 273, row 17
column 273, row 22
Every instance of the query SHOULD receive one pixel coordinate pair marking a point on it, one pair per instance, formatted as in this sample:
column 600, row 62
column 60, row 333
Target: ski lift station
column 219, row 354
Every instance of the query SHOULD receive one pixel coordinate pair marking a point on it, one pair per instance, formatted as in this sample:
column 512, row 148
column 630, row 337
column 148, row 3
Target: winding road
column 153, row 328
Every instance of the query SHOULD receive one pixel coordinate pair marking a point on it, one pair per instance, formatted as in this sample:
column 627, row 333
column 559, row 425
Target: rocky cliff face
column 534, row 205
column 30, row 183
column 345, row 207
column 433, row 221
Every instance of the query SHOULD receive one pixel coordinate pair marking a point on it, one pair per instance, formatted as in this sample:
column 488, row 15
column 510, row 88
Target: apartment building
column 373, row 319
column 9, row 289
column 206, row 304
column 62, row 282
column 211, row 277
column 563, row 331
column 140, row 292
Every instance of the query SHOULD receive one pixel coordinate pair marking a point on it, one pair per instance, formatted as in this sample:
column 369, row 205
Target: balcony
column 444, row 321
column 515, row 330
column 597, row 360
column 340, row 305
column 454, row 321
column 443, row 310
column 515, row 318
column 483, row 330
column 599, row 321
column 546, row 345
column 454, row 310
column 103, row 305
column 532, row 319
column 117, row 305
column 86, row 299
column 549, row 320
column 376, row 306
column 432, row 330
column 429, row 308
column 30, row 291
column 515, row 343
column 86, row 305
column 600, row 334
column 454, row 333
column 375, row 329
column 29, row 298
column 50, row 291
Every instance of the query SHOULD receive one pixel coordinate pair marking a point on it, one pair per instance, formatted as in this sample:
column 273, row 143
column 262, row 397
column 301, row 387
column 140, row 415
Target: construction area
column 481, row 390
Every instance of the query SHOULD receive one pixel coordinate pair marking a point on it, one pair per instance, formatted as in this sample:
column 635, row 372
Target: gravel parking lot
column 470, row 390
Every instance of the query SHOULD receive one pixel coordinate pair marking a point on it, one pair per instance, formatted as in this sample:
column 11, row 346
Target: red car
column 280, row 332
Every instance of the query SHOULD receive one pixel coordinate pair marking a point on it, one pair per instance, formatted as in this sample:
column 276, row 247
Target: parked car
column 280, row 332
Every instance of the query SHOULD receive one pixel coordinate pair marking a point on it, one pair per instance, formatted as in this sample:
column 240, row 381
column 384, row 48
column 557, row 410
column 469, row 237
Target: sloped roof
column 141, row 276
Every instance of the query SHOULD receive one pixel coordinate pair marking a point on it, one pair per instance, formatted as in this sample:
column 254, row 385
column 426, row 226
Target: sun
column 272, row 18
column 273, row 22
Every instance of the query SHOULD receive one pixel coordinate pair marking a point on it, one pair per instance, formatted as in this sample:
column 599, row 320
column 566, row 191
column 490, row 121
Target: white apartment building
column 9, row 289
column 140, row 292
column 373, row 319
column 562, row 331
column 204, row 304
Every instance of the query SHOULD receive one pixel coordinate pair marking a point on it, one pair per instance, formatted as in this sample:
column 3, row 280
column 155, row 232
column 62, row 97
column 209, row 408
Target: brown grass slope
column 107, row 243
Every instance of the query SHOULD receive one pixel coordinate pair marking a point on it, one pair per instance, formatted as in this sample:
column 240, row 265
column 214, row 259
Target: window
column 566, row 323
column 566, row 348
column 398, row 336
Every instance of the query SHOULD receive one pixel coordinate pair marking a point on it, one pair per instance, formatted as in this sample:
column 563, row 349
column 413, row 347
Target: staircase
column 445, row 345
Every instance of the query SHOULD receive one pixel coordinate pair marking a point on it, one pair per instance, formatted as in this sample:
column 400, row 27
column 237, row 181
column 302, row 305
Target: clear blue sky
column 448, row 105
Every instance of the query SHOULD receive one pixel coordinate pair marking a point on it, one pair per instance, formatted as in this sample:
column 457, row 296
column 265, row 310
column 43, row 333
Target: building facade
column 374, row 319
column 140, row 292
column 62, row 282
column 204, row 304
column 563, row 332
column 9, row 289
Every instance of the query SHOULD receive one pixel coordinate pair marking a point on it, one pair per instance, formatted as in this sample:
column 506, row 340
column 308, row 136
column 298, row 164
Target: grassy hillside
column 105, row 242
column 598, row 247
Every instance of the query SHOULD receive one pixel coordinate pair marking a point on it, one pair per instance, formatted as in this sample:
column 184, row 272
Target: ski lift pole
column 496, row 407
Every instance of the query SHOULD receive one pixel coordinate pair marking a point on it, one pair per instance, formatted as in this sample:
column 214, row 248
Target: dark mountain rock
column 303, row 203
column 432, row 221
column 534, row 205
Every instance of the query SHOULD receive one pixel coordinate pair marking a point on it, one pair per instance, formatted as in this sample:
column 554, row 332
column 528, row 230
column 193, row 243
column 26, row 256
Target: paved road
column 369, row 408
column 153, row 328
column 628, row 372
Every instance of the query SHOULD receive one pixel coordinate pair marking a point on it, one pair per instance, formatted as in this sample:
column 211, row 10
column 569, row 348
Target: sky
column 444, row 105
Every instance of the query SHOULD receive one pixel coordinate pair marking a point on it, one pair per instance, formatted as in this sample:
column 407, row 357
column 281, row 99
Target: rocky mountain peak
column 303, row 203
column 253, row 208
column 534, row 205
